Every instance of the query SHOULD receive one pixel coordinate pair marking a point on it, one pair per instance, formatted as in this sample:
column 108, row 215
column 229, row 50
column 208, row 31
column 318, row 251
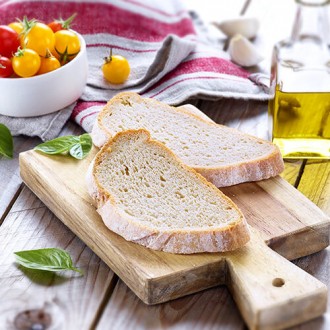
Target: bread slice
column 148, row 196
column 223, row 155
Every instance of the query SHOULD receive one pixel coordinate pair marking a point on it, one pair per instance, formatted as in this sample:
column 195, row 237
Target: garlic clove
column 246, row 26
column 243, row 52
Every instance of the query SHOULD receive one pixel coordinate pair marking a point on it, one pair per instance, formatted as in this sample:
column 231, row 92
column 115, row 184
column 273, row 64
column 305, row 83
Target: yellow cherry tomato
column 116, row 69
column 67, row 45
column 18, row 27
column 48, row 63
column 38, row 36
column 26, row 62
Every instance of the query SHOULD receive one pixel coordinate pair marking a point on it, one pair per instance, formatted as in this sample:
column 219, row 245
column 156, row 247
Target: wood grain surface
column 26, row 294
column 284, row 217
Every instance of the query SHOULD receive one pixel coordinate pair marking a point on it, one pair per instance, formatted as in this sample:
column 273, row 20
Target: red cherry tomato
column 6, row 69
column 61, row 24
column 55, row 26
column 9, row 41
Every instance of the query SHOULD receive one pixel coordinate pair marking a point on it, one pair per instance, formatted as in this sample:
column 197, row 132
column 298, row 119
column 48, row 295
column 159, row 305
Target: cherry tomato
column 116, row 69
column 67, row 45
column 26, row 62
column 48, row 63
column 61, row 24
column 55, row 26
column 9, row 41
column 6, row 69
column 38, row 36
column 18, row 27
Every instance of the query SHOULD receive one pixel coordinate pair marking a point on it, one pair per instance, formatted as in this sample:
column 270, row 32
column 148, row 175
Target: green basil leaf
column 49, row 259
column 77, row 146
column 57, row 146
column 82, row 149
column 6, row 142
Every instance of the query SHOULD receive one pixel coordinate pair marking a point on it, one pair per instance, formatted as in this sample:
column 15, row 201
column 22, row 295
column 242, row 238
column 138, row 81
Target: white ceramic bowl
column 49, row 92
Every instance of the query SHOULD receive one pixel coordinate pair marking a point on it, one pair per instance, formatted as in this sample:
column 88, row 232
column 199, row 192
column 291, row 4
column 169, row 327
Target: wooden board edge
column 178, row 284
column 303, row 242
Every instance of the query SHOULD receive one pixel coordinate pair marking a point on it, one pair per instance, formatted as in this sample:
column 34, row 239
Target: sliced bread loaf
column 223, row 155
column 145, row 193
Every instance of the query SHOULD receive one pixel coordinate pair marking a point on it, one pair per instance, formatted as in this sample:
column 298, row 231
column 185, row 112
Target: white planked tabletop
column 99, row 299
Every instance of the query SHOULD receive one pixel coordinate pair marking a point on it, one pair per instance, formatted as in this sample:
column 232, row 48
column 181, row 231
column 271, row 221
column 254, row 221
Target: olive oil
column 301, row 123
column 299, row 110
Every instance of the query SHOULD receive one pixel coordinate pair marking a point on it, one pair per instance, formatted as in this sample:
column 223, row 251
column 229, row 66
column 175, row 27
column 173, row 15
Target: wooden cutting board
column 269, row 290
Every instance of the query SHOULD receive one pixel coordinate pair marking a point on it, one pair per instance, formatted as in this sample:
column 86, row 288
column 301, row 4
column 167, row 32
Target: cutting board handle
column 270, row 291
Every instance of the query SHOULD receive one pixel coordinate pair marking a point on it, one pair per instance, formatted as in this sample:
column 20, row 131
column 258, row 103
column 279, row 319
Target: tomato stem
column 19, row 52
column 48, row 53
column 65, row 56
column 27, row 25
column 108, row 59
column 66, row 23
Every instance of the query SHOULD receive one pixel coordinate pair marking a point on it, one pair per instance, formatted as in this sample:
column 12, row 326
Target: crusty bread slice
column 223, row 155
column 147, row 195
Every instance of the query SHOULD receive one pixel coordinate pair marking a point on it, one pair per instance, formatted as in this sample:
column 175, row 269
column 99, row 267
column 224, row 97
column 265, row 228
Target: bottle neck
column 311, row 22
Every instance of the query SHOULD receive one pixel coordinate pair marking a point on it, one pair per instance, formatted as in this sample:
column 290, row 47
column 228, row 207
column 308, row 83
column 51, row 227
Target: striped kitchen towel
column 171, row 54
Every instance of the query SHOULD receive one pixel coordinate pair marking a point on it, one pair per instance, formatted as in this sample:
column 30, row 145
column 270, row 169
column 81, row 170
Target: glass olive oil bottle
column 299, row 110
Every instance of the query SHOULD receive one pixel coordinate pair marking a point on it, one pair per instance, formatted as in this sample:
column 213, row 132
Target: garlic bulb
column 243, row 52
column 246, row 26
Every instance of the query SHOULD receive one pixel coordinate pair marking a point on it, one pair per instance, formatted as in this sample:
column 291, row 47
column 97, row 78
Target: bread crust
column 182, row 241
column 254, row 169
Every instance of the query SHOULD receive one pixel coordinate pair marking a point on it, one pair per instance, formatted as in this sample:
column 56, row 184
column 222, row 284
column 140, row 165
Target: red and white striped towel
column 171, row 58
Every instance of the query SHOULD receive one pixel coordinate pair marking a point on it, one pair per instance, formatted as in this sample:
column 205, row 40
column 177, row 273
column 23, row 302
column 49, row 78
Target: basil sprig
column 49, row 259
column 76, row 146
column 6, row 142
